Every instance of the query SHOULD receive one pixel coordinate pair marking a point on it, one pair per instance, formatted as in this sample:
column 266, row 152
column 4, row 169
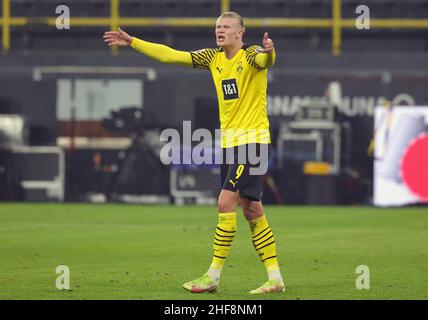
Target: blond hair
column 231, row 14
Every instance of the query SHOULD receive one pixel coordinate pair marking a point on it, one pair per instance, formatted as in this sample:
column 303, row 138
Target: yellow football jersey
column 241, row 91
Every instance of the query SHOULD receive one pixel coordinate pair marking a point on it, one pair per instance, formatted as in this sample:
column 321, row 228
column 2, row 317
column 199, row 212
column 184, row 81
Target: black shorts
column 242, row 169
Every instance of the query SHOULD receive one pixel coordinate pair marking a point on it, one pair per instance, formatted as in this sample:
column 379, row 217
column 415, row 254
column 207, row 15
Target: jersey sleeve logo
column 250, row 55
column 230, row 89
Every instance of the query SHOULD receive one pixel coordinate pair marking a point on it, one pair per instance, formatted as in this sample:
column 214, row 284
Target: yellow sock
column 264, row 243
column 224, row 234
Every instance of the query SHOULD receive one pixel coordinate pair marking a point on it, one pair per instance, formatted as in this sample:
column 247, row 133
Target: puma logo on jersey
column 219, row 70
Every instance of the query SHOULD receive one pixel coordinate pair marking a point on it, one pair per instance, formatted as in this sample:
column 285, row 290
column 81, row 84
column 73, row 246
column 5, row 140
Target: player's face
column 228, row 31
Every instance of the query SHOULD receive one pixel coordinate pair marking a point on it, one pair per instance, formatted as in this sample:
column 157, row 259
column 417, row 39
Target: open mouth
column 220, row 38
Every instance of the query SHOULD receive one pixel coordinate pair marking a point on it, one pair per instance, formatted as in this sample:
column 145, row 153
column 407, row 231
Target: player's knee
column 252, row 210
column 225, row 205
column 249, row 211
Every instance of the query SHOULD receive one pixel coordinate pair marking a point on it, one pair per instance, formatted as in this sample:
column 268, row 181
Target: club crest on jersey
column 239, row 68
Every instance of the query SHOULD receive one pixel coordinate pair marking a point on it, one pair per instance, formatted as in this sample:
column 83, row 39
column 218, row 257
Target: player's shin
column 223, row 238
column 264, row 243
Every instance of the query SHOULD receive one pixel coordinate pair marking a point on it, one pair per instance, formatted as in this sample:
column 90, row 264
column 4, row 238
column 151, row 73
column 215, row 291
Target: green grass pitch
column 147, row 252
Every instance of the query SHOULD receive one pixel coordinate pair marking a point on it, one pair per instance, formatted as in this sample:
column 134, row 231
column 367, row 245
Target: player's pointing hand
column 117, row 38
column 267, row 43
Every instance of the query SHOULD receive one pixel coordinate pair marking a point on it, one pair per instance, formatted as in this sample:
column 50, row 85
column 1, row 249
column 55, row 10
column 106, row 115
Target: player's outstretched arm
column 266, row 59
column 155, row 51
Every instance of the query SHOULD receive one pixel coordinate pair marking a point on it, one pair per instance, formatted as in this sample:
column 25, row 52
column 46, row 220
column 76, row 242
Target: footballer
column 239, row 72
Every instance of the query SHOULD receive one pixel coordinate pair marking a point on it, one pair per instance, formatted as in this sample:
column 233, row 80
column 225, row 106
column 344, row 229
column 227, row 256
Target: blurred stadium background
column 80, row 122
